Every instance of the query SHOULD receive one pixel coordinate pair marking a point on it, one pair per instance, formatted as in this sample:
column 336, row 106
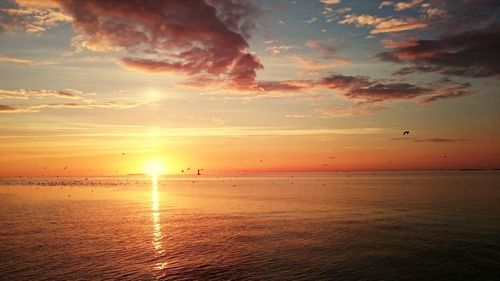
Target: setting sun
column 154, row 168
column 249, row 140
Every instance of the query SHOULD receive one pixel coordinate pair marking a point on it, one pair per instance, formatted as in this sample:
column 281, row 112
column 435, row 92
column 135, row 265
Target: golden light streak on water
column 156, row 220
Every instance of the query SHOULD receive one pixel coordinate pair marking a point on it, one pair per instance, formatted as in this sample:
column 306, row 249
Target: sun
column 154, row 168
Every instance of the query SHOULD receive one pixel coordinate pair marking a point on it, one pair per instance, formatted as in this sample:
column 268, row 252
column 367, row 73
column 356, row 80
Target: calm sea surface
column 358, row 226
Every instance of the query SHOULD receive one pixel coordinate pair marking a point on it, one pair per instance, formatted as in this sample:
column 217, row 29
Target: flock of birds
column 183, row 171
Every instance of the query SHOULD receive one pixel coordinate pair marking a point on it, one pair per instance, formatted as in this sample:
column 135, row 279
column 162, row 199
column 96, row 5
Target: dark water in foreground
column 408, row 226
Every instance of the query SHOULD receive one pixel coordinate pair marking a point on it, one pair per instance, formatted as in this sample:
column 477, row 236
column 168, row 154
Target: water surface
column 357, row 226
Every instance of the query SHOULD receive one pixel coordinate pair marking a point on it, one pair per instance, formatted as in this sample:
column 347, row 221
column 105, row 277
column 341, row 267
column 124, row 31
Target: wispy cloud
column 312, row 64
column 277, row 49
column 17, row 108
column 384, row 25
column 40, row 93
column 16, row 60
column 36, row 100
column 352, row 110
column 434, row 140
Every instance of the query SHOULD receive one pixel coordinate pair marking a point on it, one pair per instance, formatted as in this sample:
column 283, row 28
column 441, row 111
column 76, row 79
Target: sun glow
column 154, row 168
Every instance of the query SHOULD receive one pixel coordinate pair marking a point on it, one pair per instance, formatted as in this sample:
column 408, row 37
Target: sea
column 316, row 226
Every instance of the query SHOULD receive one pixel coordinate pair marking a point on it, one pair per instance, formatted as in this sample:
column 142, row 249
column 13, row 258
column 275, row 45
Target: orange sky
column 274, row 86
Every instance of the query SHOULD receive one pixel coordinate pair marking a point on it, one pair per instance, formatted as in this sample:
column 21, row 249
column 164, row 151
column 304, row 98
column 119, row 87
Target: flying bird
column 406, row 133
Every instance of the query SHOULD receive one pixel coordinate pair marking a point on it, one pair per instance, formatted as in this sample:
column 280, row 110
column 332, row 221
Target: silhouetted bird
column 406, row 133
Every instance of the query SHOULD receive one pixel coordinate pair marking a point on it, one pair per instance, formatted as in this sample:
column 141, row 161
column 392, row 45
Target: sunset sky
column 101, row 87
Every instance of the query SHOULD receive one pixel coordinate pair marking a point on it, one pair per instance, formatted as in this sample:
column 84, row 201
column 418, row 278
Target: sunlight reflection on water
column 156, row 220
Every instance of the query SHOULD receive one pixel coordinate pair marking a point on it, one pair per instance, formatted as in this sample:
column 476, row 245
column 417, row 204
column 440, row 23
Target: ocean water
column 356, row 226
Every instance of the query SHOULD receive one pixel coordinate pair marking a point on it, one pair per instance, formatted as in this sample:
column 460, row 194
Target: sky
column 102, row 87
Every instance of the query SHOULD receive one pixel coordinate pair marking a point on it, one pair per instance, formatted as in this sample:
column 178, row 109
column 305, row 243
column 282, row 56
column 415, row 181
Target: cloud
column 8, row 108
column 16, row 60
column 382, row 92
column 406, row 5
column 311, row 20
column 434, row 140
column 311, row 64
column 10, row 59
column 277, row 49
column 69, row 93
column 364, row 90
column 436, row 12
column 389, row 43
column 299, row 115
column 31, row 16
column 384, row 25
column 52, row 99
column 330, row 2
column 361, row 20
column 471, row 54
column 40, row 93
column 468, row 15
column 352, row 110
column 398, row 25
column 326, row 50
column 18, row 94
column 85, row 105
column 385, row 3
column 285, row 86
column 194, row 38
column 450, row 90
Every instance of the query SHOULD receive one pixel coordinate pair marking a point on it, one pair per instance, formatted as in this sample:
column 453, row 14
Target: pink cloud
column 194, row 37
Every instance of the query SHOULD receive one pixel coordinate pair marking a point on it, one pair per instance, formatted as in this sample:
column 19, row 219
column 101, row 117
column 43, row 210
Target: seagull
column 406, row 133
